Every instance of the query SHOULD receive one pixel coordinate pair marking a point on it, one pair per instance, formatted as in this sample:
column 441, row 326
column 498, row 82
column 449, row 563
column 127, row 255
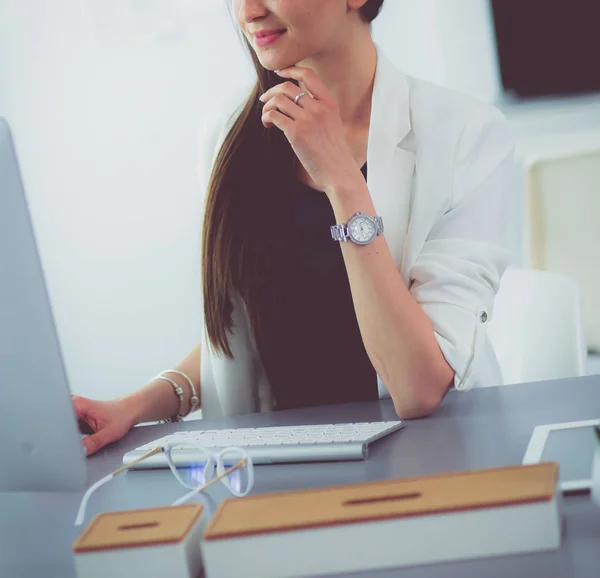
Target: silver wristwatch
column 360, row 229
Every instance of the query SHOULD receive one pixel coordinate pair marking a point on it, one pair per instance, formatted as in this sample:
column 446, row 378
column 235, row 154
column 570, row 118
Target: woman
column 305, row 301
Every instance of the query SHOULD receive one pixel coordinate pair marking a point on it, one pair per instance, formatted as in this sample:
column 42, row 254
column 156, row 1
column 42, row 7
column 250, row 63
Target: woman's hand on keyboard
column 109, row 420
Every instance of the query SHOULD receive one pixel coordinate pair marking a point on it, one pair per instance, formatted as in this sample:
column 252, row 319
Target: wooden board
column 136, row 528
column 315, row 508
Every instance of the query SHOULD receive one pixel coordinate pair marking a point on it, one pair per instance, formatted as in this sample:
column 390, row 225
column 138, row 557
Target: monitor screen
column 548, row 48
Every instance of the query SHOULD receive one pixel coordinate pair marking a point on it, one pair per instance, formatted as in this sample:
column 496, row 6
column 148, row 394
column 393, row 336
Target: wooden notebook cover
column 136, row 528
column 349, row 504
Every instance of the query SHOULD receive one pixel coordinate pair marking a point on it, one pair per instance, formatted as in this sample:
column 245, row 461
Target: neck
column 348, row 71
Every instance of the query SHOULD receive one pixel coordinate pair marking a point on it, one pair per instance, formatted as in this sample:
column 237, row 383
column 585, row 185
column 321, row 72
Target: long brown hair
column 244, row 213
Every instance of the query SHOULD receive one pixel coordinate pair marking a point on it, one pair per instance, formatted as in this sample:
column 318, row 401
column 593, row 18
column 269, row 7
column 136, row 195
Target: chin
column 273, row 66
column 273, row 62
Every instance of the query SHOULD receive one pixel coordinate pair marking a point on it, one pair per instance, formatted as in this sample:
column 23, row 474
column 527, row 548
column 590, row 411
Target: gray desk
column 484, row 428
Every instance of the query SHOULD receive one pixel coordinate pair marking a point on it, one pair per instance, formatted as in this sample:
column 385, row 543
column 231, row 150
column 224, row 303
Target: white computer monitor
column 40, row 443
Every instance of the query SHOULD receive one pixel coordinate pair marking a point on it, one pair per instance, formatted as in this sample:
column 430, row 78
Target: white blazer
column 439, row 174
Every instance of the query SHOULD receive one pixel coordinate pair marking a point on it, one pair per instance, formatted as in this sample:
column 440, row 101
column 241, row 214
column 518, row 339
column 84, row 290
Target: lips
column 264, row 38
column 271, row 32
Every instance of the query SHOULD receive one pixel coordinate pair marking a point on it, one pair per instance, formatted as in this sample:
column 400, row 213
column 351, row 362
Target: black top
column 314, row 353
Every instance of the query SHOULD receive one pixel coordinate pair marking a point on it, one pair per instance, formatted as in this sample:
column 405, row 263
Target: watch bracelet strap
column 340, row 232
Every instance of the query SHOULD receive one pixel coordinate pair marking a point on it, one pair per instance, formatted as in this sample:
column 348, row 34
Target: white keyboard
column 267, row 445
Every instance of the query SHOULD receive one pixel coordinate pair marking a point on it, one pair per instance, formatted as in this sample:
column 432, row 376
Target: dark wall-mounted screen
column 548, row 47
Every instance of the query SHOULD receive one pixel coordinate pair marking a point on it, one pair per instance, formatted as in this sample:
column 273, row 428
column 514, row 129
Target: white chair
column 564, row 207
column 537, row 330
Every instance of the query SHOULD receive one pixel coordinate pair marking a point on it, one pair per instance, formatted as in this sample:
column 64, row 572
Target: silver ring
column 299, row 97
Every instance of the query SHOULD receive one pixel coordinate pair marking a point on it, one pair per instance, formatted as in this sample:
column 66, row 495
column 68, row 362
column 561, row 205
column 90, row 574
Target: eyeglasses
column 232, row 467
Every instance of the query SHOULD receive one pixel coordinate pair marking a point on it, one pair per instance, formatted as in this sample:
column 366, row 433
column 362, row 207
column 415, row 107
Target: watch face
column 362, row 229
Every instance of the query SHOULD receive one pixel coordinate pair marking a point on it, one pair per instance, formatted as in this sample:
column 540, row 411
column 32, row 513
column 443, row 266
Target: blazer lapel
column 390, row 166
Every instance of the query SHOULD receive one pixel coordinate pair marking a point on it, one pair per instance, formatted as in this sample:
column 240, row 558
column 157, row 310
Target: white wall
column 448, row 42
column 106, row 102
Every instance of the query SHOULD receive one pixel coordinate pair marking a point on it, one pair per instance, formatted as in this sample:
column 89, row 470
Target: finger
column 98, row 440
column 288, row 89
column 285, row 106
column 86, row 420
column 309, row 78
column 84, row 427
column 80, row 405
column 274, row 117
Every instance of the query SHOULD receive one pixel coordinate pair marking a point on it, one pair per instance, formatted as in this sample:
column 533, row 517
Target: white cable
column 81, row 513
column 185, row 498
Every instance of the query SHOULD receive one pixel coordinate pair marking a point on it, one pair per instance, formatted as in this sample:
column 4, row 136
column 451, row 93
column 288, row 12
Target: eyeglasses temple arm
column 156, row 450
column 81, row 512
column 105, row 479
